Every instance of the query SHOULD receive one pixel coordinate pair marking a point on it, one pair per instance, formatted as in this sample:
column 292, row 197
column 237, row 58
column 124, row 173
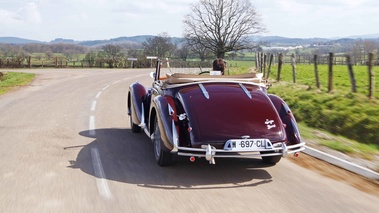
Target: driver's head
column 219, row 65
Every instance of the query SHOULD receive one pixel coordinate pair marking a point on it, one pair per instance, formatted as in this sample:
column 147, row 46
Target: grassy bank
column 340, row 112
column 10, row 80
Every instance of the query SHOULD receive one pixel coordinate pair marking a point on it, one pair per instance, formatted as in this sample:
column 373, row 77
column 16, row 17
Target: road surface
column 66, row 146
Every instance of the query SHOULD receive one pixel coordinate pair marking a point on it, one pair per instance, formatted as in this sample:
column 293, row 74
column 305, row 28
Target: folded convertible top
column 179, row 78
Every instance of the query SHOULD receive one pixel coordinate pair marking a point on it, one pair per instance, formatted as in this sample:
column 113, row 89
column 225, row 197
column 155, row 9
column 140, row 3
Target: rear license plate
column 249, row 144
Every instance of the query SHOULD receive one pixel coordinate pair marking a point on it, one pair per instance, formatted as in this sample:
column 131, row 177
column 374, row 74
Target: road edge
column 352, row 167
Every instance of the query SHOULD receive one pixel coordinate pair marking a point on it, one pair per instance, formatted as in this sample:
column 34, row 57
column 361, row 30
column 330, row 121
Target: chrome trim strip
column 170, row 110
column 175, row 137
column 205, row 92
column 286, row 108
column 142, row 124
column 245, row 90
column 296, row 129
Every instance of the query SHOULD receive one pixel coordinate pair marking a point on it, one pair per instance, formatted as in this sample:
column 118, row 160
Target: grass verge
column 338, row 142
column 10, row 80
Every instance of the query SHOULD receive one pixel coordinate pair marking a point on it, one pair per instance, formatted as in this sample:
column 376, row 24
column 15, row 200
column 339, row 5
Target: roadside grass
column 337, row 142
column 11, row 80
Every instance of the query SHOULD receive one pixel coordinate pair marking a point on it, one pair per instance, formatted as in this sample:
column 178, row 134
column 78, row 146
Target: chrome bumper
column 210, row 153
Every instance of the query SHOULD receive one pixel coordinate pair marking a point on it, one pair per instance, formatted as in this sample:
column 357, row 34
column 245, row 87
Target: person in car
column 219, row 65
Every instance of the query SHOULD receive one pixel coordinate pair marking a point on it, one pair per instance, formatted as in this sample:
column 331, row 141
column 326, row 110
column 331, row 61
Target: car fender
column 160, row 109
column 292, row 131
column 136, row 96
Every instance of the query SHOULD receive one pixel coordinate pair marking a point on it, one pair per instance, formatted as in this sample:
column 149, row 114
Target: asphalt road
column 66, row 146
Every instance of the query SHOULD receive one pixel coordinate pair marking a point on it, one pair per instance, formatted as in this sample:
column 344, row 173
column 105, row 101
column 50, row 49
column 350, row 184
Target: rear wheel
column 271, row 159
column 135, row 128
column 163, row 157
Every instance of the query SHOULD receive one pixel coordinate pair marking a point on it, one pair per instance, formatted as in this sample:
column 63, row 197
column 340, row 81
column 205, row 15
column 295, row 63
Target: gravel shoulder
column 336, row 173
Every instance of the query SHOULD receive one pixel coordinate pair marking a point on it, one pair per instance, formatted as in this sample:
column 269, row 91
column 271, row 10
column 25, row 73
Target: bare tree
column 222, row 25
column 362, row 48
column 49, row 54
column 160, row 46
column 111, row 54
column 70, row 54
column 183, row 52
column 90, row 58
column 196, row 47
column 135, row 53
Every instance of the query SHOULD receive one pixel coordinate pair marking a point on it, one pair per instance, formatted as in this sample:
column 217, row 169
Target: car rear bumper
column 209, row 152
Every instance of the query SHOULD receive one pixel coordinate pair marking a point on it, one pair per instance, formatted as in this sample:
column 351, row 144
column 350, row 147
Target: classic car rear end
column 227, row 111
column 215, row 116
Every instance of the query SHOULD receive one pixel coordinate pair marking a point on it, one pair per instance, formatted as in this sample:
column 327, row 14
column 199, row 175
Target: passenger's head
column 219, row 65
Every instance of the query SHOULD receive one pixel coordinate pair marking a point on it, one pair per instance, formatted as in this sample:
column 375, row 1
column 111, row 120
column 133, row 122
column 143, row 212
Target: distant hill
column 138, row 40
column 277, row 40
column 62, row 40
column 119, row 40
column 368, row 36
column 15, row 40
column 130, row 40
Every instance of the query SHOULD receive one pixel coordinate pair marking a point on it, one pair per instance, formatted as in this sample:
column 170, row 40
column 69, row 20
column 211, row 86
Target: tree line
column 212, row 28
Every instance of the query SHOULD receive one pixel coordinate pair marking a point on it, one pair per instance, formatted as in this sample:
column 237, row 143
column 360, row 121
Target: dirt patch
column 337, row 173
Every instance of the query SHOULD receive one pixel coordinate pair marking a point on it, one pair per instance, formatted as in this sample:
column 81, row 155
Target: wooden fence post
column 30, row 62
column 280, row 63
column 293, row 63
column 315, row 61
column 264, row 64
column 261, row 62
column 371, row 93
column 269, row 65
column 256, row 59
column 330, row 84
column 351, row 73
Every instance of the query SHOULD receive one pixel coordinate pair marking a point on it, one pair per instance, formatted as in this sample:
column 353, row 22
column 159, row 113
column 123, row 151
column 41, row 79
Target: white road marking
column 116, row 82
column 105, row 87
column 92, row 126
column 98, row 95
column 137, row 76
column 102, row 184
column 93, row 106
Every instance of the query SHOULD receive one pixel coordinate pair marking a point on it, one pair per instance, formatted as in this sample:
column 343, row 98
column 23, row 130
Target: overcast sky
column 46, row 20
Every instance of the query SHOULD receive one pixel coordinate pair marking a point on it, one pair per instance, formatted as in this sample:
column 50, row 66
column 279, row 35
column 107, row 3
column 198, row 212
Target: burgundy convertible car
column 212, row 116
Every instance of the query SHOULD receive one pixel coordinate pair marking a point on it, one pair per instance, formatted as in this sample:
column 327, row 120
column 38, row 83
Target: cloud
column 104, row 19
column 27, row 14
column 31, row 13
column 8, row 18
column 322, row 18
